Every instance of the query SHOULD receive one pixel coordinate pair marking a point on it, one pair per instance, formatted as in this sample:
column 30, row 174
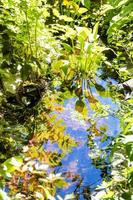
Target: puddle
column 78, row 166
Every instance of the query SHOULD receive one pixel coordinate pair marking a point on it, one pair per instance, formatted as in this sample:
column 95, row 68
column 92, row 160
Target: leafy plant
column 50, row 51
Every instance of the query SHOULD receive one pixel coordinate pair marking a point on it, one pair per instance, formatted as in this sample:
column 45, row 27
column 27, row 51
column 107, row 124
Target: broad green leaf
column 4, row 73
column 130, row 170
column 109, row 194
column 123, row 2
column 67, row 47
column 16, row 161
column 124, row 16
column 105, row 8
column 56, row 12
column 45, row 13
column 70, row 33
column 25, row 71
column 83, row 32
column 11, row 165
column 82, row 10
column 86, row 3
column 56, row 66
column 65, row 69
column 65, row 18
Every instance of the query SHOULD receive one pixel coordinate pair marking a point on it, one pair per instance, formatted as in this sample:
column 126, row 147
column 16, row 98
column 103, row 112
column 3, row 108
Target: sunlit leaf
column 48, row 195
column 109, row 194
column 56, row 12
column 86, row 3
column 82, row 10
column 95, row 31
column 67, row 47
column 66, row 18
column 11, row 165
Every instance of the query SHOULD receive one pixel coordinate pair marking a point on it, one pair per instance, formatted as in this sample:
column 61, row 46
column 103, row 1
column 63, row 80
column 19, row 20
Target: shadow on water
column 87, row 164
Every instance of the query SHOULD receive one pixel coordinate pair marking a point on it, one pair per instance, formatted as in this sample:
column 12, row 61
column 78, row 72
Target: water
column 87, row 164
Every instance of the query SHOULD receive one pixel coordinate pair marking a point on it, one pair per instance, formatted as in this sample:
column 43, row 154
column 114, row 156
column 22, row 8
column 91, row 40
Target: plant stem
column 28, row 31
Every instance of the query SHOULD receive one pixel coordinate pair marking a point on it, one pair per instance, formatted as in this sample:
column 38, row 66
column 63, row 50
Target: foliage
column 120, row 184
column 22, row 176
column 117, row 19
column 50, row 51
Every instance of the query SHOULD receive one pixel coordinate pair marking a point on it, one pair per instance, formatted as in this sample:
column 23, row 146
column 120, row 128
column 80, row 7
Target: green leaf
column 82, row 10
column 56, row 12
column 56, row 66
column 65, row 69
column 106, row 8
column 86, row 3
column 4, row 73
column 25, row 71
column 67, row 47
column 48, row 195
column 83, row 33
column 95, row 31
column 123, row 2
column 11, row 165
column 124, row 16
column 109, row 194
column 65, row 18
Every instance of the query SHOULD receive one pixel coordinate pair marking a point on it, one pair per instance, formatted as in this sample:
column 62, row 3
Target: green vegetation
column 51, row 51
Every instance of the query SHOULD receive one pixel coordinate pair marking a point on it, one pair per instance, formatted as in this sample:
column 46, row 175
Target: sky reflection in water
column 78, row 161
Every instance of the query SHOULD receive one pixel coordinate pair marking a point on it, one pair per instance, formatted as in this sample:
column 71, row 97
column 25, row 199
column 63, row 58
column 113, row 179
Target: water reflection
column 72, row 118
column 86, row 165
